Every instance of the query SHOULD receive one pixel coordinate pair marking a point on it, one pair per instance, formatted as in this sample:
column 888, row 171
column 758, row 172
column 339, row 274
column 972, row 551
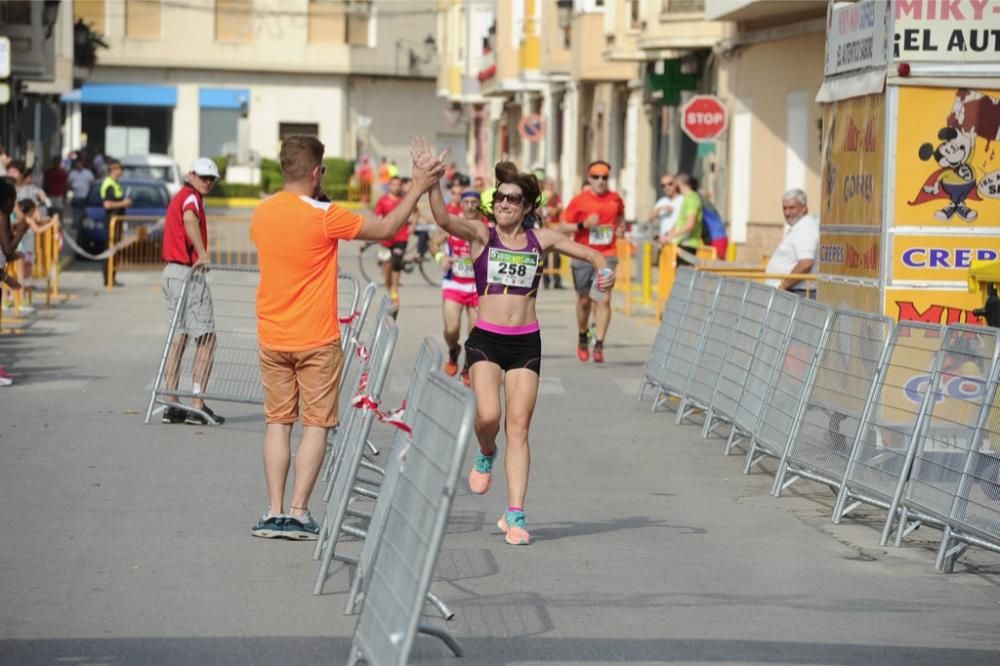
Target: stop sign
column 703, row 118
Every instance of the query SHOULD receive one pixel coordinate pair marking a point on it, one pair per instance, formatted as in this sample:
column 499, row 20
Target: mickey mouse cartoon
column 956, row 179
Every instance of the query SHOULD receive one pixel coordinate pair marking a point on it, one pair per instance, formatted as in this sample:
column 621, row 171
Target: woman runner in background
column 505, row 346
column 458, row 284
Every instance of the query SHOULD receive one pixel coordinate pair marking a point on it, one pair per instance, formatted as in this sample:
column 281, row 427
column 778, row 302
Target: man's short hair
column 397, row 177
column 112, row 163
column 300, row 154
column 795, row 194
column 683, row 178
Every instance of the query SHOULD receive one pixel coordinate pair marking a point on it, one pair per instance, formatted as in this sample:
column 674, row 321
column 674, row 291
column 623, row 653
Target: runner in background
column 551, row 208
column 596, row 218
column 395, row 247
column 504, row 349
column 458, row 283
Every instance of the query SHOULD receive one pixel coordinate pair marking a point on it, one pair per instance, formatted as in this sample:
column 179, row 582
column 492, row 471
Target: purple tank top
column 500, row 270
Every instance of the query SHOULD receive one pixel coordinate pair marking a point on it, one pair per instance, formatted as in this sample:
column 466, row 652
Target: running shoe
column 465, row 377
column 194, row 418
column 583, row 347
column 481, row 476
column 451, row 366
column 269, row 527
column 5, row 379
column 173, row 415
column 301, row 528
column 598, row 352
column 512, row 524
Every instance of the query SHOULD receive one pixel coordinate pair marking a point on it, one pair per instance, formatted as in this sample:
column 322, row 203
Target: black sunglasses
column 513, row 197
column 598, row 177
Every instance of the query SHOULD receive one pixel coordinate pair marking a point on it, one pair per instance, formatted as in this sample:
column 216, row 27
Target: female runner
column 505, row 345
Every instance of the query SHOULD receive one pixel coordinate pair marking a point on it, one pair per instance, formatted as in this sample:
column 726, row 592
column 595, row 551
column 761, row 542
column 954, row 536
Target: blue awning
column 122, row 95
column 223, row 98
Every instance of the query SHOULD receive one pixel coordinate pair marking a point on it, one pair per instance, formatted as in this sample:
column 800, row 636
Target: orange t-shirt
column 296, row 240
column 609, row 209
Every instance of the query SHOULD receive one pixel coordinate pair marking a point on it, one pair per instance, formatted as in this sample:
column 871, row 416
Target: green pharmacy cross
column 672, row 82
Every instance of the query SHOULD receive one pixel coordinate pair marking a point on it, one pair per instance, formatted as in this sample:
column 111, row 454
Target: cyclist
column 395, row 247
column 505, row 346
column 458, row 283
column 596, row 217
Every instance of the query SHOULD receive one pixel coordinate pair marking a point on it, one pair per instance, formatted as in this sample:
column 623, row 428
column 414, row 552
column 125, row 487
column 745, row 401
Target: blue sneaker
column 301, row 528
column 481, row 476
column 269, row 527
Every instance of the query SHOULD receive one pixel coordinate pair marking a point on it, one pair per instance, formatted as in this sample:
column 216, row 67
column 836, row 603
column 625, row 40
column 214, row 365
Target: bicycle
column 370, row 263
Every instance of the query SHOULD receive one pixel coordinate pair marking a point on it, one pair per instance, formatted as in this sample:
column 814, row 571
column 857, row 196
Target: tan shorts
column 306, row 382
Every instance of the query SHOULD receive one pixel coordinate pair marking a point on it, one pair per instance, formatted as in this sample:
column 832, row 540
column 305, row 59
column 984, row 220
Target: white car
column 156, row 167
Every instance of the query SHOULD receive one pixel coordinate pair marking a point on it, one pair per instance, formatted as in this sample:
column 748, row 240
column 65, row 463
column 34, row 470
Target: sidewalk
column 129, row 544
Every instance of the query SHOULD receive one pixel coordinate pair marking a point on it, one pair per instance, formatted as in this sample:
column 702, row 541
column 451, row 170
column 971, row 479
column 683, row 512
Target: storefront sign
column 940, row 258
column 856, row 36
column 948, row 158
column 935, row 306
column 852, row 162
column 849, row 254
column 953, row 31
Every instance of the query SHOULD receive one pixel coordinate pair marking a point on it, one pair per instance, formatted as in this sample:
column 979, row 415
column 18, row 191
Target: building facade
column 234, row 77
column 609, row 79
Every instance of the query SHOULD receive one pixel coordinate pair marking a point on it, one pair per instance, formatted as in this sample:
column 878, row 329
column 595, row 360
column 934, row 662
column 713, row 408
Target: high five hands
column 427, row 168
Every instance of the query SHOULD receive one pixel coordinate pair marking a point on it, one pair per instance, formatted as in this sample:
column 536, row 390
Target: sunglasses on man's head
column 599, row 177
column 513, row 197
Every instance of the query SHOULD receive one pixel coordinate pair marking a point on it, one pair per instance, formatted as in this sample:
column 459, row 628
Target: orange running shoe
column 512, row 524
column 465, row 377
column 451, row 365
column 583, row 348
column 481, row 475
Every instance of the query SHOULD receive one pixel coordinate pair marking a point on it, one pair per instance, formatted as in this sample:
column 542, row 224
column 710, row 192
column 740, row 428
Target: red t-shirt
column 383, row 207
column 454, row 207
column 177, row 246
column 609, row 209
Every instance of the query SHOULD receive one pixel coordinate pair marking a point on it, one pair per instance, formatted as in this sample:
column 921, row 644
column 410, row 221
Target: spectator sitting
column 796, row 253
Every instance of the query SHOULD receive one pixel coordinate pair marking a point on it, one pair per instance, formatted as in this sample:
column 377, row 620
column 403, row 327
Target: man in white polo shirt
column 796, row 253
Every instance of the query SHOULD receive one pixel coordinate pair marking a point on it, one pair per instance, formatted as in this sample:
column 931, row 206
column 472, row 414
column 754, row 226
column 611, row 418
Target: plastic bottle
column 597, row 294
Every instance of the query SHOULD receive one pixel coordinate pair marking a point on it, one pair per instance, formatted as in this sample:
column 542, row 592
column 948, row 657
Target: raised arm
column 470, row 230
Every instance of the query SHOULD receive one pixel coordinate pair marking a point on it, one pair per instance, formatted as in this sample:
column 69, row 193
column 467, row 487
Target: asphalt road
column 123, row 543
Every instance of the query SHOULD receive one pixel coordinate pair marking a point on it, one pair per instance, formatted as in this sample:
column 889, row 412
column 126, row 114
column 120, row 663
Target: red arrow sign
column 704, row 118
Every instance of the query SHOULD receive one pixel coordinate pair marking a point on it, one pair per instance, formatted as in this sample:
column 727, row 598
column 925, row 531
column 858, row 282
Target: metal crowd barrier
column 234, row 365
column 356, row 349
column 793, row 374
column 880, row 455
column 429, row 358
column 139, row 242
column 344, row 479
column 744, row 338
column 689, row 339
column 949, row 433
column 975, row 515
column 405, row 556
column 676, row 307
column 904, row 417
column 851, row 357
column 707, row 366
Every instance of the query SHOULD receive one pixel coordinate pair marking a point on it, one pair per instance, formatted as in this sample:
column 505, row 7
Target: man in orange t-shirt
column 300, row 357
column 596, row 218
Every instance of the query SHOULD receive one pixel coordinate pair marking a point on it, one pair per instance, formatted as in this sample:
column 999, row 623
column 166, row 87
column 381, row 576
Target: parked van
column 155, row 167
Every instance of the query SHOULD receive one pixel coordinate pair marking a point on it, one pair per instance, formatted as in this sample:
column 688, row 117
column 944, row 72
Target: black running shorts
column 510, row 352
